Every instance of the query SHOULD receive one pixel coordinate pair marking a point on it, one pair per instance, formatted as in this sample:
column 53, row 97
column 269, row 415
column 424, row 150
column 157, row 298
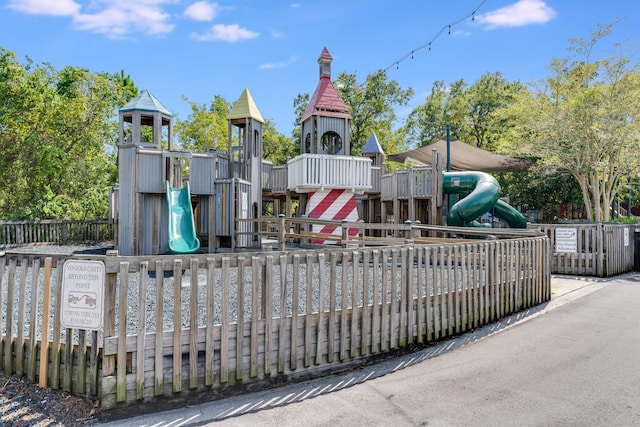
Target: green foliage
column 541, row 187
column 55, row 128
column 476, row 114
column 585, row 119
column 276, row 147
column 371, row 104
column 206, row 127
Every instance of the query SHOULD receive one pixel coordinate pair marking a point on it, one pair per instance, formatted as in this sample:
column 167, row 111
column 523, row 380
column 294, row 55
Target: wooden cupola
column 143, row 121
column 325, row 122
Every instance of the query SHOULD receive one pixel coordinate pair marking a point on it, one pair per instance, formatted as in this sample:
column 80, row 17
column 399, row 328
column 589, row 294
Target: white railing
column 312, row 172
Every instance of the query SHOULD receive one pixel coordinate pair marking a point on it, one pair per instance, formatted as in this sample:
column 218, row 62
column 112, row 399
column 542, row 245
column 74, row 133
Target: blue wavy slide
column 182, row 232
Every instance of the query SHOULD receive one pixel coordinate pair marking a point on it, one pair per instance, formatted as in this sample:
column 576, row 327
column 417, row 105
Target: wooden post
column 408, row 238
column 44, row 340
column 281, row 233
column 345, row 234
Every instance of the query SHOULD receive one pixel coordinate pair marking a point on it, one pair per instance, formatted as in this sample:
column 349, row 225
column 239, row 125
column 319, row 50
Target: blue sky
column 199, row 49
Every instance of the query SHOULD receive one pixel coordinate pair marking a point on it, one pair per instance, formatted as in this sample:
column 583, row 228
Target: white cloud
column 201, row 11
column 114, row 18
column 523, row 12
column 229, row 33
column 45, row 7
column 281, row 64
column 121, row 17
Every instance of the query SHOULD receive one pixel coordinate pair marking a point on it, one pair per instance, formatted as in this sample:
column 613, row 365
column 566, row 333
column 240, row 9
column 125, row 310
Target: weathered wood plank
column 22, row 307
column 255, row 316
column 353, row 349
column 177, row 325
column 158, row 380
column 121, row 361
column 46, row 306
column 193, row 324
column 239, row 316
column 8, row 343
column 224, row 315
column 33, row 320
column 295, row 307
column 320, row 335
column 142, row 324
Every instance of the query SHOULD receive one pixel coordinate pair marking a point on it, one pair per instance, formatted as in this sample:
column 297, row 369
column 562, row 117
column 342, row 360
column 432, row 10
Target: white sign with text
column 567, row 240
column 82, row 294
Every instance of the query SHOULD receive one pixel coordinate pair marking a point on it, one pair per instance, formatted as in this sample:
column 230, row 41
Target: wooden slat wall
column 50, row 231
column 305, row 311
column 603, row 249
column 208, row 321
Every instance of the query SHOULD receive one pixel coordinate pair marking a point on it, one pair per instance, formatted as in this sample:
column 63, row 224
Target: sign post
column 82, row 294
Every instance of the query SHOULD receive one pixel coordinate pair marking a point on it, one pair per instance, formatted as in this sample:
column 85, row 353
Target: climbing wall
column 337, row 205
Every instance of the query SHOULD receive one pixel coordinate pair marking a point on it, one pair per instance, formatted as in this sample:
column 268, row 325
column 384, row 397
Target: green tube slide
column 182, row 233
column 509, row 214
column 480, row 193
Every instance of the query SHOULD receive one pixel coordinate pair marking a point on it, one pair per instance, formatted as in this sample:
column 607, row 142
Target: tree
column 371, row 104
column 55, row 127
column 474, row 113
column 584, row 118
column 206, row 127
column 276, row 147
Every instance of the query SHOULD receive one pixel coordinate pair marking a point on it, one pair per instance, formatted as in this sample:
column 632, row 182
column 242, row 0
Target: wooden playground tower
column 222, row 194
column 220, row 188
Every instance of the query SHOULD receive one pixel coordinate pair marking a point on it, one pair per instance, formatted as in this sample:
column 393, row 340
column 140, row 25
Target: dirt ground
column 25, row 404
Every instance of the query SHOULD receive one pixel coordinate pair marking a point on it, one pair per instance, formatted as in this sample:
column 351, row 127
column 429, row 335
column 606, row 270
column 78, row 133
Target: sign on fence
column 567, row 240
column 82, row 294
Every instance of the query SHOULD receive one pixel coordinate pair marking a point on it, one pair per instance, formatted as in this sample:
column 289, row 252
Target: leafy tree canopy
column 585, row 119
column 55, row 128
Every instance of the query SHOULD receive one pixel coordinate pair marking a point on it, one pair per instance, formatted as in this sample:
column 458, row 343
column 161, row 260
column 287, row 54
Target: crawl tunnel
column 480, row 193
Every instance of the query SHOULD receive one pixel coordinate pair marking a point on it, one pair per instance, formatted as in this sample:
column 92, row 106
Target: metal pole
column 629, row 199
column 448, row 148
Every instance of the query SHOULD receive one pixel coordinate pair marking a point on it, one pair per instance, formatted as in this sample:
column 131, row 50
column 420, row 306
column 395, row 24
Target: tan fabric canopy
column 464, row 157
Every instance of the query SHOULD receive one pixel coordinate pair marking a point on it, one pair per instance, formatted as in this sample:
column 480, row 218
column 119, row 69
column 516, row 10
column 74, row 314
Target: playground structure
column 219, row 204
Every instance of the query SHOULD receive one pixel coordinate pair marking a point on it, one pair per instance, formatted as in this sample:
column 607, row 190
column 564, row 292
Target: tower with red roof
column 325, row 174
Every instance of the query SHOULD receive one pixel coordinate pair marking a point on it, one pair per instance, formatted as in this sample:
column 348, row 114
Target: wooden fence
column 54, row 231
column 590, row 249
column 175, row 325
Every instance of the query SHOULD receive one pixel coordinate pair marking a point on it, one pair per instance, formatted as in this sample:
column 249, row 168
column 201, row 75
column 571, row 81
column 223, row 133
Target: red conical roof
column 326, row 100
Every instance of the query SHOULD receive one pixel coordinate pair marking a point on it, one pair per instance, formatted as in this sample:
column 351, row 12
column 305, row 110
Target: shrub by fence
column 175, row 325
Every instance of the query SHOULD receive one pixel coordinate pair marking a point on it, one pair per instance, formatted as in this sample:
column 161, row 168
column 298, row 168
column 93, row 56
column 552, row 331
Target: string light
column 471, row 14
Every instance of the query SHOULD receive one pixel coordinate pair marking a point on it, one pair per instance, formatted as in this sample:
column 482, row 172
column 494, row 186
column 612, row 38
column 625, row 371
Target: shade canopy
column 463, row 157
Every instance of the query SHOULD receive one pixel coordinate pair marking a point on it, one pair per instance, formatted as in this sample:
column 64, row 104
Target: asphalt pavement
column 573, row 361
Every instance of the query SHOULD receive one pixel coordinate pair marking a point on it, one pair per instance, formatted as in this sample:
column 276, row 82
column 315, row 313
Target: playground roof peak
column 145, row 101
column 326, row 101
column 245, row 107
column 372, row 145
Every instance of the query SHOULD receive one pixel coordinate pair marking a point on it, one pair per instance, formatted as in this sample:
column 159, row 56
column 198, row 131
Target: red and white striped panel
column 337, row 205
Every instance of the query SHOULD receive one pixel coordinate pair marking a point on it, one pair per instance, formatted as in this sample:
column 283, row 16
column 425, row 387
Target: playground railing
column 319, row 171
column 55, row 231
